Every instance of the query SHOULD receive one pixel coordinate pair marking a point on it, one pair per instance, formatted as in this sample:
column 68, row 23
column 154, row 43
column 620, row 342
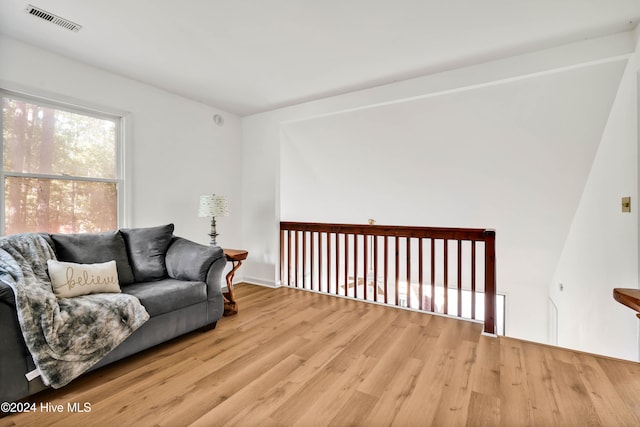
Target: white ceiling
column 248, row 56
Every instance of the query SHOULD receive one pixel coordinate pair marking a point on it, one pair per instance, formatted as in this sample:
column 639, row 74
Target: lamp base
column 213, row 233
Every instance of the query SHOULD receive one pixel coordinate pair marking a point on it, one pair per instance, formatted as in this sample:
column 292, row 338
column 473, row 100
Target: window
column 60, row 167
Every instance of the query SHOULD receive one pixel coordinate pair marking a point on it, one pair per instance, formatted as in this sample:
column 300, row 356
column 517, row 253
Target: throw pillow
column 69, row 279
column 90, row 248
column 147, row 248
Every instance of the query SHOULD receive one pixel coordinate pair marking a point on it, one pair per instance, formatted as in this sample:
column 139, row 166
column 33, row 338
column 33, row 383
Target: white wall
column 601, row 250
column 175, row 152
column 487, row 99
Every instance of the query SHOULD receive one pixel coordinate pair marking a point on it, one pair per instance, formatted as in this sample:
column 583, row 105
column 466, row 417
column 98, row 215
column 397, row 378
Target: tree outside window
column 59, row 168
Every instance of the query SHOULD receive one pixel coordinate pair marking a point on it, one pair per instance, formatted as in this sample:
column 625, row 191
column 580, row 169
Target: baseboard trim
column 260, row 282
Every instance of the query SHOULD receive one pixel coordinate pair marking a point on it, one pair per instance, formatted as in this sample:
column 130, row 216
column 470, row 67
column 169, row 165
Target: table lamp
column 212, row 205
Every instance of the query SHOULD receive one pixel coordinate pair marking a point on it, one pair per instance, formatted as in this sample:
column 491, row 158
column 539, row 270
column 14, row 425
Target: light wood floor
column 294, row 358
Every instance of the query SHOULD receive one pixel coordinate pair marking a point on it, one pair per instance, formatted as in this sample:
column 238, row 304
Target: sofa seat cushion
column 167, row 295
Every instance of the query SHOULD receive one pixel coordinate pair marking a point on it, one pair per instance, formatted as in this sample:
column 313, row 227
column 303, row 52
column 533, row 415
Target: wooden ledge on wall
column 628, row 297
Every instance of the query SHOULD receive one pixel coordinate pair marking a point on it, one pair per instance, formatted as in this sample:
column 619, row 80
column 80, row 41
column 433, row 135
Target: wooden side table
column 236, row 257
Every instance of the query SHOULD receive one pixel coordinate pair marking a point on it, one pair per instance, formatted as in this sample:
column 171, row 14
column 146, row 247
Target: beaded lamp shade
column 213, row 205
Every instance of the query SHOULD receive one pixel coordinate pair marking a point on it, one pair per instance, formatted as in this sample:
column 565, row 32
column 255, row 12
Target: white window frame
column 121, row 125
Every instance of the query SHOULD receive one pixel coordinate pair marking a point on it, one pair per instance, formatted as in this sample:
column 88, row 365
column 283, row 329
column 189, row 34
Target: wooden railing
column 441, row 270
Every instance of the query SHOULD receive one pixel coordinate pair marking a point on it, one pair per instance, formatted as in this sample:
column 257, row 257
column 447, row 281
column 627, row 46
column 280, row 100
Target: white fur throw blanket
column 67, row 336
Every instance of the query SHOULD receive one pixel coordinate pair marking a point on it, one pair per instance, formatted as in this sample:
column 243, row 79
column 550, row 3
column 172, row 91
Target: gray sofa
column 176, row 280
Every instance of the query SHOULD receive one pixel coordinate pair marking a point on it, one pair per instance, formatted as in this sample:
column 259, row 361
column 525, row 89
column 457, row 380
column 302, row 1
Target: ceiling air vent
column 54, row 19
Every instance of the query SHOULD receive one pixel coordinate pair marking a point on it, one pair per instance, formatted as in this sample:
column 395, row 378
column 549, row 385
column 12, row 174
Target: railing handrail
column 472, row 234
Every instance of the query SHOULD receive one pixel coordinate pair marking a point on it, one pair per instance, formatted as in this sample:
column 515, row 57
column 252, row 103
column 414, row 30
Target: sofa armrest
column 187, row 260
column 6, row 295
column 13, row 356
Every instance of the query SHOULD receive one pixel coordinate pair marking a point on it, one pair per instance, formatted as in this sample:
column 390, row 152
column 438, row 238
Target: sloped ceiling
column 255, row 55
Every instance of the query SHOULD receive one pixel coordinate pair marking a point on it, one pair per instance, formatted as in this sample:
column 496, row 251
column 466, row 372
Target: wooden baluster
column 320, row 261
column 315, row 264
column 346, row 265
column 446, row 276
column 328, row 263
column 397, row 269
column 408, row 272
column 312, row 259
column 293, row 257
column 490, row 282
column 337, row 240
column 459, row 278
column 420, row 284
column 375, row 268
column 473, row 279
column 317, row 260
column 355, row 266
column 289, row 267
column 304, row 259
column 296, row 258
column 386, row 268
column 433, row 274
column 365, row 263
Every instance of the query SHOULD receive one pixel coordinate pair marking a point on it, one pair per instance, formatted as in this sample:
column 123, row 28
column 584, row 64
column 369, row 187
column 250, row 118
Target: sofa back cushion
column 91, row 248
column 147, row 249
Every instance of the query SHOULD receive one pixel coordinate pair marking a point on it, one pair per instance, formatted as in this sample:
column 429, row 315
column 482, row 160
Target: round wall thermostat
column 218, row 119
